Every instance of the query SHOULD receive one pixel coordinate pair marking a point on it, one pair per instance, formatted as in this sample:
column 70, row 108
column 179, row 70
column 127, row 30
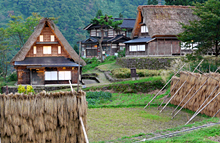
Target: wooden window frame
column 52, row 38
column 34, row 50
column 44, row 50
column 41, row 38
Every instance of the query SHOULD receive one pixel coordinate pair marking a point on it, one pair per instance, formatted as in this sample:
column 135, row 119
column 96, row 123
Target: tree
column 120, row 15
column 98, row 13
column 206, row 31
column 108, row 21
column 4, row 51
column 19, row 30
column 152, row 2
column 183, row 2
column 75, row 47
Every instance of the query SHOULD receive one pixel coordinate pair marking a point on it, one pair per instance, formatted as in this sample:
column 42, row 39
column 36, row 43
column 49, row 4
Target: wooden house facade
column 156, row 30
column 113, row 40
column 47, row 58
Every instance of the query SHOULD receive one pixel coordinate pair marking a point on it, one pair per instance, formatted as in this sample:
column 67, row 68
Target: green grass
column 106, row 124
column 109, row 66
column 140, row 136
column 199, row 136
column 154, row 78
column 130, row 100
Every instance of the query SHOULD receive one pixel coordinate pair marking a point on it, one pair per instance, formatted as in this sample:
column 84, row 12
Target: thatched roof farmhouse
column 159, row 25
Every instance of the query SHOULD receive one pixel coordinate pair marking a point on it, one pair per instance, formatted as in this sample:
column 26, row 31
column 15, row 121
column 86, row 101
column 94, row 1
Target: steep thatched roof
column 162, row 20
column 20, row 56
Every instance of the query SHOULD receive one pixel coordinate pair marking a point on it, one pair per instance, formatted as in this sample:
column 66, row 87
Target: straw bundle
column 198, row 80
column 45, row 117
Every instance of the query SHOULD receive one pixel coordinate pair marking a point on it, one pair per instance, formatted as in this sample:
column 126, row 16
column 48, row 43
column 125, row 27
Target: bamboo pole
column 78, row 68
column 169, row 93
column 164, row 86
column 182, row 100
column 84, row 131
column 216, row 113
column 71, row 86
column 190, row 98
column 202, row 108
column 206, row 99
column 180, row 87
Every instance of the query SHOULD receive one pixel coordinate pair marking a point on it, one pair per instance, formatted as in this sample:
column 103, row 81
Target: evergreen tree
column 106, row 20
column 76, row 48
column 98, row 13
column 206, row 31
column 120, row 15
column 183, row 2
column 152, row 2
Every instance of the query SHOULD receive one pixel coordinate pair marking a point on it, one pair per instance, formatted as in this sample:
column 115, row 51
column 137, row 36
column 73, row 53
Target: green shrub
column 97, row 97
column 126, row 73
column 12, row 76
column 1, row 85
column 121, row 53
column 110, row 58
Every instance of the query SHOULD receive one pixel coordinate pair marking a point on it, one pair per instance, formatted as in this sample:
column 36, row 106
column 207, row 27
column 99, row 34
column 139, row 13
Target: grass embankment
column 132, row 86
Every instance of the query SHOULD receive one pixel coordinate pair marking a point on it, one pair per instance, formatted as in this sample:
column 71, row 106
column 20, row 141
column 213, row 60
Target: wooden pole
column 71, row 86
column 84, row 131
column 205, row 101
column 168, row 94
column 203, row 108
column 190, row 98
column 78, row 68
column 180, row 87
column 164, row 86
column 216, row 113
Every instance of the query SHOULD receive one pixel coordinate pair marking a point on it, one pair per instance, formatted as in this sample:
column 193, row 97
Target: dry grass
column 108, row 124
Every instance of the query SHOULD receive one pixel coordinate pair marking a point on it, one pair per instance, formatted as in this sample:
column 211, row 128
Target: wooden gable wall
column 47, row 32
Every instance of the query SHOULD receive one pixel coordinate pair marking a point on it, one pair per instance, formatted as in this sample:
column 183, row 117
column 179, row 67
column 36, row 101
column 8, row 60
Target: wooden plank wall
column 46, row 32
column 23, row 75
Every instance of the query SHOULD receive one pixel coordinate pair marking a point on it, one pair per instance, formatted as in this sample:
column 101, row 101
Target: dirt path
column 101, row 78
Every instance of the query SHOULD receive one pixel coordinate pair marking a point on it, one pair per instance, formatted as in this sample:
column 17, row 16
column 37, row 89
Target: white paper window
column 137, row 48
column 93, row 32
column 114, row 45
column 132, row 48
column 64, row 75
column 50, row 75
column 144, row 29
column 35, row 50
column 41, row 38
column 141, row 47
column 52, row 38
column 59, row 49
column 47, row 50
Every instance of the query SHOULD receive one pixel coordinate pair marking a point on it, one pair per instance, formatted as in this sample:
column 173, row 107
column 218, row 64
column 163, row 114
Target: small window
column 41, row 38
column 52, row 38
column 59, row 49
column 64, row 75
column 50, row 75
column 35, row 50
column 144, row 29
column 47, row 50
column 137, row 48
column 132, row 48
column 141, row 47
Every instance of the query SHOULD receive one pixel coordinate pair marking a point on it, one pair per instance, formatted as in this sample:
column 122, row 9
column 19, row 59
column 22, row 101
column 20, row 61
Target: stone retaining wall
column 153, row 63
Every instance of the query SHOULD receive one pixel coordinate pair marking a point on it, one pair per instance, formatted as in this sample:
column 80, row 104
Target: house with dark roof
column 156, row 29
column 47, row 57
column 113, row 40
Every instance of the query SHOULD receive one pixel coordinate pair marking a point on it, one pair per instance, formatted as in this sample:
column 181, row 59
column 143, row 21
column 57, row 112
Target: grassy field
column 111, row 123
column 109, row 66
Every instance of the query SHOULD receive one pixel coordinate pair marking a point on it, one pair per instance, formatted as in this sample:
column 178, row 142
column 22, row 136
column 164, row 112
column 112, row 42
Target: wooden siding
column 54, row 51
column 47, row 32
column 137, row 53
column 162, row 47
column 23, row 75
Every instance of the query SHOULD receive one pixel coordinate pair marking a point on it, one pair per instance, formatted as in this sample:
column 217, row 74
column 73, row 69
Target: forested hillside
column 73, row 15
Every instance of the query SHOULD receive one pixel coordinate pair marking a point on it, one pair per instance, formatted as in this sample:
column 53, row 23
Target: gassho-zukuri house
column 47, row 57
column 156, row 29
